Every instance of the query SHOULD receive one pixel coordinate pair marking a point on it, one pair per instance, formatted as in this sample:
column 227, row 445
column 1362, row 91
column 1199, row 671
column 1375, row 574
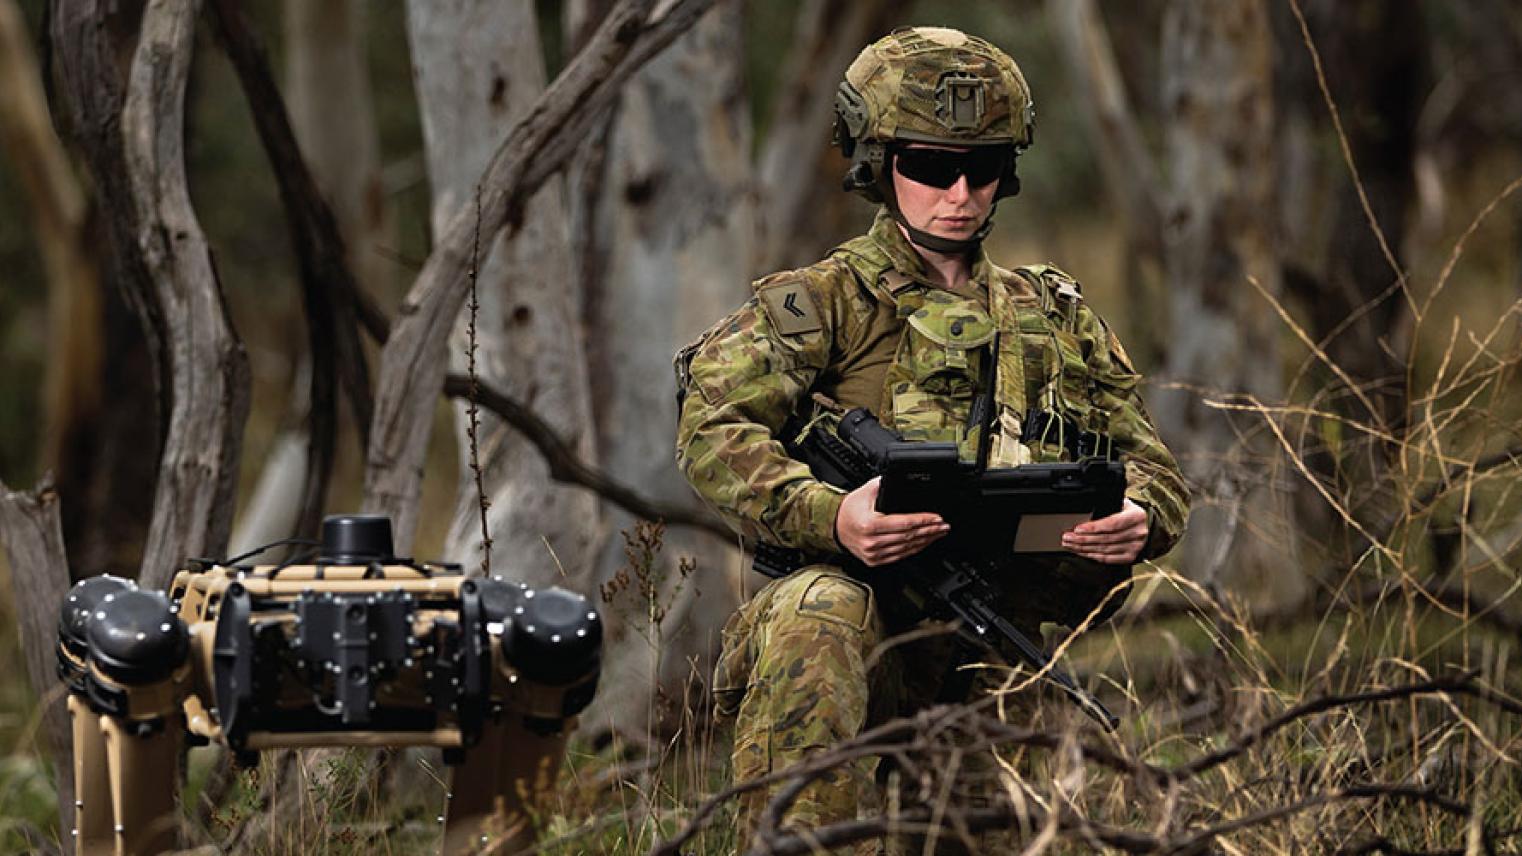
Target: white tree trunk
column 675, row 239
column 479, row 66
column 1218, row 89
column 328, row 94
column 798, row 173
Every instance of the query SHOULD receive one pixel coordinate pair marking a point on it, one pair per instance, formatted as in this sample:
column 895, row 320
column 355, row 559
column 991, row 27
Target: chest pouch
column 936, row 369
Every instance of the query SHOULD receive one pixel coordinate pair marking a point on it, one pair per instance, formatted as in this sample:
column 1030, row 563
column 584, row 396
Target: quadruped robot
column 350, row 646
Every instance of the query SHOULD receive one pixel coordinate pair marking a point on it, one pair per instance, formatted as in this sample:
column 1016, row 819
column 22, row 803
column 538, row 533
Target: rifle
column 950, row 580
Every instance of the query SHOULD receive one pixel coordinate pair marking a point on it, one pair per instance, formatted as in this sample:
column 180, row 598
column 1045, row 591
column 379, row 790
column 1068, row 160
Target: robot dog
column 350, row 647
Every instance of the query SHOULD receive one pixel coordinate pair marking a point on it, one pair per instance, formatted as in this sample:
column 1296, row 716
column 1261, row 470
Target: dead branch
column 1456, row 684
column 1473, row 605
column 413, row 362
column 32, row 529
column 566, row 467
column 918, row 821
column 976, row 730
column 1073, row 826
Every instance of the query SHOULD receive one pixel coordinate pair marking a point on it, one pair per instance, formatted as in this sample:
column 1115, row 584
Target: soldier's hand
column 879, row 539
column 1114, row 540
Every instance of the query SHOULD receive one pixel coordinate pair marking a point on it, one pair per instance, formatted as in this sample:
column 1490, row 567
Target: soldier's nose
column 959, row 191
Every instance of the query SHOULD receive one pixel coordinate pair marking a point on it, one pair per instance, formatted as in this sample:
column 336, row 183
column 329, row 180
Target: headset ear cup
column 1009, row 185
column 860, row 179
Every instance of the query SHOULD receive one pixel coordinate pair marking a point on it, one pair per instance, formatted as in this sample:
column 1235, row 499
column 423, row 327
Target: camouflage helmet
column 930, row 85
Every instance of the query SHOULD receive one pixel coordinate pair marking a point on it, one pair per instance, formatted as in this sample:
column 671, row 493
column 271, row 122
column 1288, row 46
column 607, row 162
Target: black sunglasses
column 941, row 168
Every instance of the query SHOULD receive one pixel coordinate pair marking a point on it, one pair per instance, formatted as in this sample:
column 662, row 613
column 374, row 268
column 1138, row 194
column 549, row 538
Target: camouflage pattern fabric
column 743, row 381
column 793, row 675
column 938, row 85
column 869, row 328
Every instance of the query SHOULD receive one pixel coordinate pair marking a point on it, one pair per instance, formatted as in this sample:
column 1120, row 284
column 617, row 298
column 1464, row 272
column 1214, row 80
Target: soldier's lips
column 956, row 222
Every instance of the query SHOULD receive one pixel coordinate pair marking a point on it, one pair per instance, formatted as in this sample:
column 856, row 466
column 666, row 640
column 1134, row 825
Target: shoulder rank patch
column 790, row 307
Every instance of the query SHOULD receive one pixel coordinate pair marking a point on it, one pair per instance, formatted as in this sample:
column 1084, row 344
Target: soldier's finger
column 1117, row 522
column 1124, row 536
column 1114, row 554
column 884, row 524
column 900, row 540
column 900, row 553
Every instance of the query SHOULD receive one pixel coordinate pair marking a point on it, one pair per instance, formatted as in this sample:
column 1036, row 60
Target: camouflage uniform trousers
column 801, row 671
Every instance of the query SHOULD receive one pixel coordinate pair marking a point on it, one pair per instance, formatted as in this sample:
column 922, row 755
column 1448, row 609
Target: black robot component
column 357, row 640
column 82, row 602
column 356, row 539
column 135, row 640
column 554, row 637
column 138, row 640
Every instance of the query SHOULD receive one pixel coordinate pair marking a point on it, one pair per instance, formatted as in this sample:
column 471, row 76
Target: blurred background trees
column 1325, row 360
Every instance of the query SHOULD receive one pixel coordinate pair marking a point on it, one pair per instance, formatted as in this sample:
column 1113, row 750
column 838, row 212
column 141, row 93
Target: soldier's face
column 955, row 212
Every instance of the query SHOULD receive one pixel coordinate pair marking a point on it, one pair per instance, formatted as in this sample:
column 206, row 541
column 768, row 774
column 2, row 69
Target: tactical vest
column 1047, row 406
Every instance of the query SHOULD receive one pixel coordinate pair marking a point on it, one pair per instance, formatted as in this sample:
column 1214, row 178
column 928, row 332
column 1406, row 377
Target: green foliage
column 28, row 802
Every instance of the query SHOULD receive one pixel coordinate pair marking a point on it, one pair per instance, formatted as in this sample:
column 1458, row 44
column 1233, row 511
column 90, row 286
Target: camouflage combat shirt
column 869, row 327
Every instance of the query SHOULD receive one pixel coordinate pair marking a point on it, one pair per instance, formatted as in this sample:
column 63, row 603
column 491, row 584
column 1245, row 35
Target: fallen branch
column 1073, row 826
column 918, row 734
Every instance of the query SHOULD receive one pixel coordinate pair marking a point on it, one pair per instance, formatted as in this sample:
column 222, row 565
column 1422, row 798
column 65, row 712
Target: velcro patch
column 790, row 307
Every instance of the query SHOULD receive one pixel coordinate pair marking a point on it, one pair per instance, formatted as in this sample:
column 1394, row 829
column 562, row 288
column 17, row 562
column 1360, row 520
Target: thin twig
column 474, row 426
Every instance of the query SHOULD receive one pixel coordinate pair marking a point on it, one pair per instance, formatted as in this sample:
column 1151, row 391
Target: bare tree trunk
column 33, row 533
column 329, row 101
column 675, row 239
column 198, row 473
column 329, row 97
column 1130, row 171
column 108, row 468
column 1378, row 73
column 82, row 393
column 1218, row 91
column 1130, row 174
column 479, row 66
column 133, row 140
column 413, row 364
column 826, row 37
column 71, row 388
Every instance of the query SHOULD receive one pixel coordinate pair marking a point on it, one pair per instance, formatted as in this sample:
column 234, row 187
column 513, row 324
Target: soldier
column 896, row 321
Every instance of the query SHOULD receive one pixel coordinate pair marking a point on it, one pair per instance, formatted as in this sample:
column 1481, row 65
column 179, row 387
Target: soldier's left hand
column 1114, row 540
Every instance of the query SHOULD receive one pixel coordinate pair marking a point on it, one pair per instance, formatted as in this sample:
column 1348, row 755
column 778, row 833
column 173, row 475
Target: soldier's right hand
column 881, row 539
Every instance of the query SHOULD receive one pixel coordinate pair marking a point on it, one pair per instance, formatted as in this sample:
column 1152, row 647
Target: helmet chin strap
column 938, row 244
